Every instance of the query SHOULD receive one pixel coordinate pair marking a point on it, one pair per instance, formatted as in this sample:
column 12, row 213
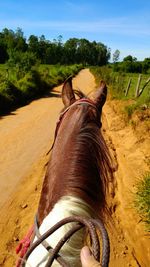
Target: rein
column 94, row 227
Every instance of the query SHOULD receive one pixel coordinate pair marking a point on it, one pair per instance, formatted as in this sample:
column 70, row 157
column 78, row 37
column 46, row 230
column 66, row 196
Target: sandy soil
column 25, row 139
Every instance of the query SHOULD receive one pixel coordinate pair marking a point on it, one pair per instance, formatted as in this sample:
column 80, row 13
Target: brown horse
column 77, row 174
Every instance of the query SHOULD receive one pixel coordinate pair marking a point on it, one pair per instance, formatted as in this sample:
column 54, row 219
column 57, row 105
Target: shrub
column 10, row 96
column 32, row 85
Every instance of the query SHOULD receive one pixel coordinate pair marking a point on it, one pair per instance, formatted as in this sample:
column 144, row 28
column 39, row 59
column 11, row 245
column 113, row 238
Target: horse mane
column 87, row 170
column 91, row 162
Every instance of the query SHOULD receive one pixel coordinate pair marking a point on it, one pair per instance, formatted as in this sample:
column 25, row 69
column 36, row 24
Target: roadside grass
column 16, row 91
column 118, row 82
column 142, row 199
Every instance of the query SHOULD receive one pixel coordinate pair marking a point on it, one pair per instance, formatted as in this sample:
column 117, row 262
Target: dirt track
column 25, row 138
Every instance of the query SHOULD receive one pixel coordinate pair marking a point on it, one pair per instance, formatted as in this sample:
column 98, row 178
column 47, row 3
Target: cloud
column 120, row 26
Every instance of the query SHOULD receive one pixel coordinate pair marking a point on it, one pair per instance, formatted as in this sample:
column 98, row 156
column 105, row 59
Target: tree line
column 15, row 48
column 130, row 64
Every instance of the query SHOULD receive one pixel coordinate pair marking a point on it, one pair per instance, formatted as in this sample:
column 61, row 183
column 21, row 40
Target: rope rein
column 95, row 228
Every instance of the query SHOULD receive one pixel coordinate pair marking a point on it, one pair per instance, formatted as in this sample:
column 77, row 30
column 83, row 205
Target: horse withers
column 77, row 175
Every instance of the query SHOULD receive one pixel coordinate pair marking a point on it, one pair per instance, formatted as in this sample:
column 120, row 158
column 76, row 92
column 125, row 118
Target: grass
column 142, row 201
column 117, row 83
column 19, row 88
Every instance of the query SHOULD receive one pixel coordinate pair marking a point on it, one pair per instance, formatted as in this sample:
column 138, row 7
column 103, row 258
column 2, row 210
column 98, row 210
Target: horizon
column 122, row 26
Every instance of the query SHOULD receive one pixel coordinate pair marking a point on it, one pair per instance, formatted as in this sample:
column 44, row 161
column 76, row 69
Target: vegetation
column 142, row 202
column 73, row 51
column 23, row 78
column 19, row 87
column 118, row 82
column 130, row 64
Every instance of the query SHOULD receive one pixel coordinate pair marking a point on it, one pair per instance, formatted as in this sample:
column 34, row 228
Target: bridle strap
column 83, row 101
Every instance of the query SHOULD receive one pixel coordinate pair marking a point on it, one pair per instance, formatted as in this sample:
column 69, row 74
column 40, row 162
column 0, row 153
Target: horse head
column 68, row 95
column 78, row 171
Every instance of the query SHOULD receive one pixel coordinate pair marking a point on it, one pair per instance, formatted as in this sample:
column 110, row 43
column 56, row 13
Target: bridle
column 83, row 101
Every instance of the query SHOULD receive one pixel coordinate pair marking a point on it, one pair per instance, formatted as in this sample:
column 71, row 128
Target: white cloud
column 119, row 26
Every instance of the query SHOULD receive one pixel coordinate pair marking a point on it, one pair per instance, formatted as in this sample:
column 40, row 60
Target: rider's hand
column 87, row 258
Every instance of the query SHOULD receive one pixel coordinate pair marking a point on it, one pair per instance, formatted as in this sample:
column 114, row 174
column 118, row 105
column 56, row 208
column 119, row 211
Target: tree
column 83, row 51
column 33, row 45
column 146, row 65
column 128, row 58
column 70, row 51
column 43, row 44
column 12, row 44
column 103, row 54
column 3, row 49
column 21, row 61
column 20, row 41
column 116, row 55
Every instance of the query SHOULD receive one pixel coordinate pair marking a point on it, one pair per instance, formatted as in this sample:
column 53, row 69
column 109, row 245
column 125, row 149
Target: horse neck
column 74, row 167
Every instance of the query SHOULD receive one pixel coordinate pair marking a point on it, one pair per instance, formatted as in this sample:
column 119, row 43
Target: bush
column 34, row 84
column 10, row 96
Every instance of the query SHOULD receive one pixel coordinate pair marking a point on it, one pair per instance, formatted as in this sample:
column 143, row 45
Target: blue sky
column 123, row 25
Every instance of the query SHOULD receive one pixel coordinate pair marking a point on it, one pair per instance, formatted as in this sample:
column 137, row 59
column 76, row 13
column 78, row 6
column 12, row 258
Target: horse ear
column 100, row 96
column 68, row 96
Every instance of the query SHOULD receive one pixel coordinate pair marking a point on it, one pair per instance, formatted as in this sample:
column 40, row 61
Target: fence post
column 146, row 83
column 138, row 85
column 128, row 86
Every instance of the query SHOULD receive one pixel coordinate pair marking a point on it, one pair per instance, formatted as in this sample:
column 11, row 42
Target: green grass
column 19, row 88
column 117, row 83
column 142, row 202
column 134, row 79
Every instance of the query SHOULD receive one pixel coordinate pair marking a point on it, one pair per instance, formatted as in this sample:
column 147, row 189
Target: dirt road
column 25, row 138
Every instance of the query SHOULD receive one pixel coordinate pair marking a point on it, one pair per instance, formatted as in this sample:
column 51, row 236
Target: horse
column 78, row 173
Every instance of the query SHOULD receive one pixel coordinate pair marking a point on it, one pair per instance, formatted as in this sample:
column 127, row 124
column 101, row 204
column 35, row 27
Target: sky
column 119, row 24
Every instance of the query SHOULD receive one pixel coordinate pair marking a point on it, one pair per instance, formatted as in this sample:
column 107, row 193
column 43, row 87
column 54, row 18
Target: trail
column 25, row 139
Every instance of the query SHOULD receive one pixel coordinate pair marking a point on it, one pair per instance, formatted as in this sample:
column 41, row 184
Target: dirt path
column 25, row 138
